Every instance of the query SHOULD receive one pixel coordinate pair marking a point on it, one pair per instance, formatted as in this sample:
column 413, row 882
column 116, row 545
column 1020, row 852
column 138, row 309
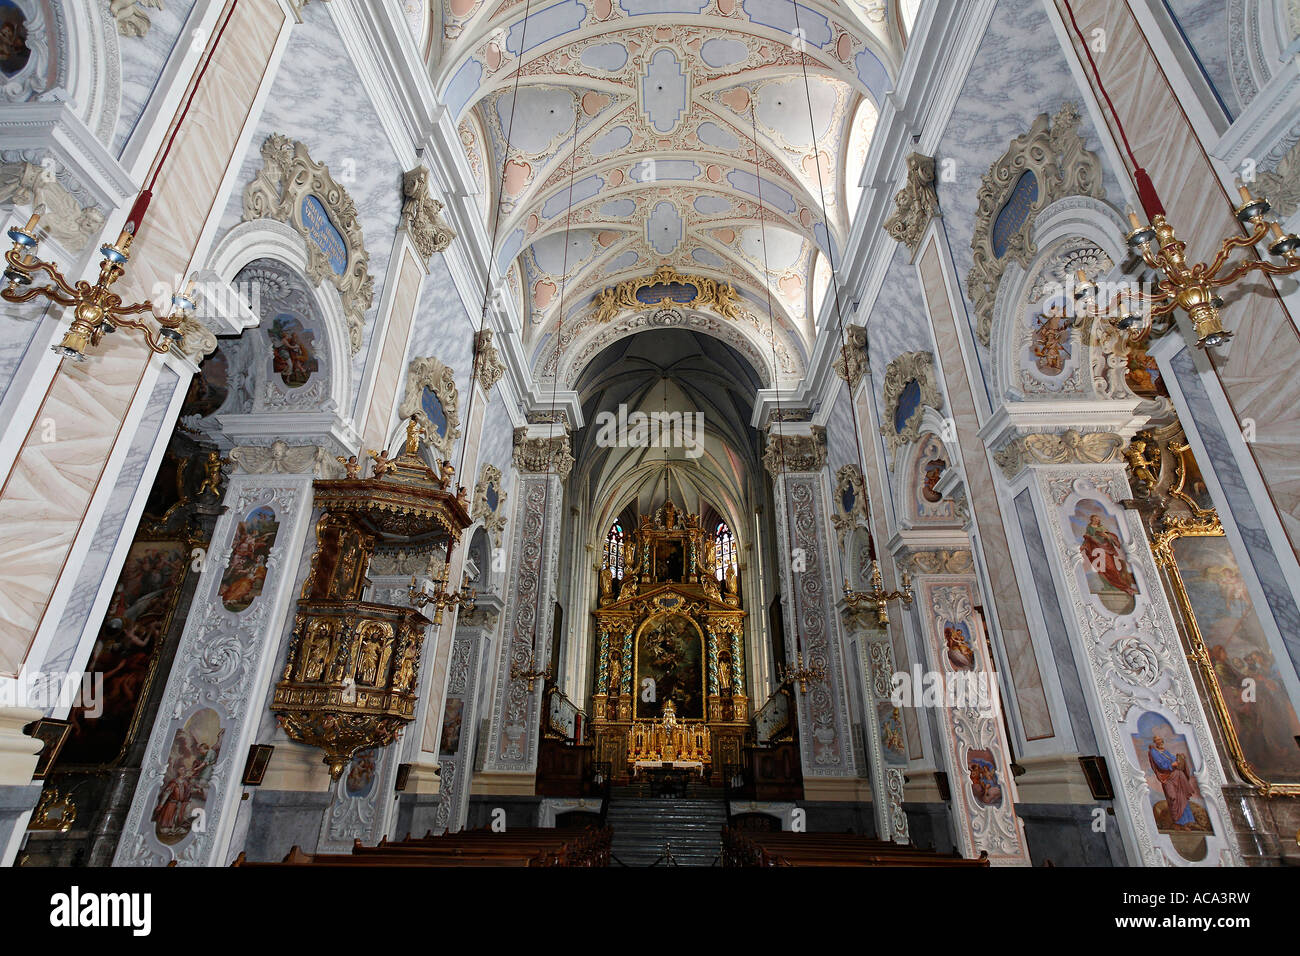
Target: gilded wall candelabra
column 442, row 596
column 1190, row 286
column 801, row 674
column 96, row 310
column 878, row 597
column 531, row 671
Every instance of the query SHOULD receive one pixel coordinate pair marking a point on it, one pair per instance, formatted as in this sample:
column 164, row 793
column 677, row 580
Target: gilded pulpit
column 671, row 647
column 350, row 679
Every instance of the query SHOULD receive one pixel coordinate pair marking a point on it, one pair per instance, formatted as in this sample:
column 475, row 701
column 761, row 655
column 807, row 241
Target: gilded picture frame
column 1200, row 523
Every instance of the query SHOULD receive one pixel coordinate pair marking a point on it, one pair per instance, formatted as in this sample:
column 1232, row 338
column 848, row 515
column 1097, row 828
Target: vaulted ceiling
column 675, row 371
column 679, row 132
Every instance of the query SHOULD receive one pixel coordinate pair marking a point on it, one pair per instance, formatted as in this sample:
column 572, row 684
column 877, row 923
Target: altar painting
column 669, row 666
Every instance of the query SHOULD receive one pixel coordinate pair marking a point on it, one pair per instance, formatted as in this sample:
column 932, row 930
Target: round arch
column 1073, row 218
column 270, row 239
column 754, row 346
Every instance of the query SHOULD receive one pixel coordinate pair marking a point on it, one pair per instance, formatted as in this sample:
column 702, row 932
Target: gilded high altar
column 669, row 740
column 671, row 640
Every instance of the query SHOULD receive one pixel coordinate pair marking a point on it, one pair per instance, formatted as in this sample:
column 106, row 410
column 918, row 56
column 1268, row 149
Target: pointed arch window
column 724, row 543
column 613, row 556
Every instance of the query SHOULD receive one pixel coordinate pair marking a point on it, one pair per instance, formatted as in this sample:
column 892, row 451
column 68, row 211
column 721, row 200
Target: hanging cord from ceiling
column 136, row 216
column 477, row 361
column 492, row 240
column 835, row 285
column 771, row 325
column 555, row 381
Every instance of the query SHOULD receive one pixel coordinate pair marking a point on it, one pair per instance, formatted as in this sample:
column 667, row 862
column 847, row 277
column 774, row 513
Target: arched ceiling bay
column 669, row 370
column 653, row 132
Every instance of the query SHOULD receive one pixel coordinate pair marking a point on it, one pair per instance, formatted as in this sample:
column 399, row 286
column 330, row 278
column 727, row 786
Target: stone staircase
column 689, row 826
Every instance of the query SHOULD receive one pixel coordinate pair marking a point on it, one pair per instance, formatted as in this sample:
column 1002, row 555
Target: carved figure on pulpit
column 385, row 658
column 414, row 432
column 405, row 670
column 318, row 648
column 368, row 661
column 383, row 464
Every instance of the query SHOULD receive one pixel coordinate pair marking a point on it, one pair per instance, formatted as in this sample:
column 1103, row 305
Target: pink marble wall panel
column 1256, row 367
column 44, row 501
column 982, row 494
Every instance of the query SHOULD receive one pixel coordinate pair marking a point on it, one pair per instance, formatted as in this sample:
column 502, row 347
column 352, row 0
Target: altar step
column 691, row 827
column 695, row 790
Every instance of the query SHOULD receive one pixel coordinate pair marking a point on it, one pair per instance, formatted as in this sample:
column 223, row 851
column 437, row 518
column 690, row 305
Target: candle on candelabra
column 1134, row 222
column 31, row 222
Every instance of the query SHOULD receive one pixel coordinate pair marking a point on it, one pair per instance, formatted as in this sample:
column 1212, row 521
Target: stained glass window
column 725, row 549
column 613, row 557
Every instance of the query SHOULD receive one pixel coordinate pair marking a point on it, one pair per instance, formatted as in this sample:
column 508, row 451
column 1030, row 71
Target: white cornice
column 53, row 129
column 1121, row 417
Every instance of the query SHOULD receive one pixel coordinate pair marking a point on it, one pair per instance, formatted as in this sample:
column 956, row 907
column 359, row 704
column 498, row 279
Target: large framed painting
column 1238, row 667
column 669, row 665
column 126, row 651
column 1235, row 660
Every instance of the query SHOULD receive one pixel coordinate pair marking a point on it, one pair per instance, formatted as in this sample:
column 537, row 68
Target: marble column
column 465, row 692
column 960, row 687
column 213, row 704
column 882, row 725
column 796, row 459
column 1134, row 676
column 543, row 462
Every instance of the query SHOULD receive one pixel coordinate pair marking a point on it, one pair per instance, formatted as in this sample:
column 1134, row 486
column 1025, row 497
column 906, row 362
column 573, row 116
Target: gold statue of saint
column 414, row 432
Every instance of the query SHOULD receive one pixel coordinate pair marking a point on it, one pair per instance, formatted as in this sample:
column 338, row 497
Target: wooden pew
column 514, row 848
column 750, row 848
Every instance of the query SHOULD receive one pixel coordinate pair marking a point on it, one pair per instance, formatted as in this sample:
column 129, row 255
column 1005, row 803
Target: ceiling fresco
column 655, row 132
